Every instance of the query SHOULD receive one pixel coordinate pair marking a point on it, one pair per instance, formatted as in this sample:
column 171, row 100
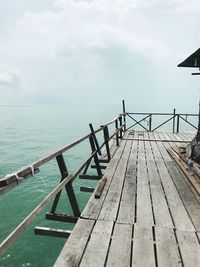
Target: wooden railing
column 149, row 121
column 12, row 180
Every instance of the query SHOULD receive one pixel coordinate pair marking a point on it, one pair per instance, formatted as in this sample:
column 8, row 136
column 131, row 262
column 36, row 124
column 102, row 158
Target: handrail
column 164, row 113
column 66, row 180
column 26, row 170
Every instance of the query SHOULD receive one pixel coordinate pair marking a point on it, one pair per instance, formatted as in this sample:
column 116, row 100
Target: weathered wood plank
column 144, row 209
column 120, row 248
column 148, row 150
column 180, row 216
column 156, row 152
column 143, row 249
column 163, row 152
column 156, row 135
column 97, row 248
column 191, row 204
column 100, row 187
column 189, row 248
column 146, row 135
column 73, row 249
column 141, row 151
column 114, row 193
column 94, row 205
column 160, row 207
column 167, row 248
column 127, row 204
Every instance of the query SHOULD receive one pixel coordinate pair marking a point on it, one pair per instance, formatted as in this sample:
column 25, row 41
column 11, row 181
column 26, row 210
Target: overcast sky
column 73, row 51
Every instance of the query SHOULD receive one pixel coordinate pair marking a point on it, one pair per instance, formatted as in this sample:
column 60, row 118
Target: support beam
column 61, row 217
column 87, row 189
column 52, row 232
column 89, row 177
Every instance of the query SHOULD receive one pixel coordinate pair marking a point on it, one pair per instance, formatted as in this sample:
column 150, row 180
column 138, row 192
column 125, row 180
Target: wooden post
column 117, row 133
column 174, row 117
column 70, row 191
column 95, row 139
column 96, row 159
column 150, row 122
column 124, row 112
column 106, row 138
column 120, row 124
column 178, row 119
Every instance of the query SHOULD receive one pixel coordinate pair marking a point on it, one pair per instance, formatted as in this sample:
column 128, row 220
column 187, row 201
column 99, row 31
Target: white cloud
column 10, row 78
column 87, row 24
column 185, row 6
column 83, row 46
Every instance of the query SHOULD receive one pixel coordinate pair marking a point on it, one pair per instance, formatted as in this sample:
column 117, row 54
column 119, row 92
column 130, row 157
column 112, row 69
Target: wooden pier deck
column 147, row 214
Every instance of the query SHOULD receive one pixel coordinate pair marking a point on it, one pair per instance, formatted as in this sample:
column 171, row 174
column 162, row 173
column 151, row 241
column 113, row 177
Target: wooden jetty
column 147, row 215
column 145, row 208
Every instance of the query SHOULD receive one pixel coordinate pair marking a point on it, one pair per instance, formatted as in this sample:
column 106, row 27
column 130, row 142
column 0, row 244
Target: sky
column 99, row 51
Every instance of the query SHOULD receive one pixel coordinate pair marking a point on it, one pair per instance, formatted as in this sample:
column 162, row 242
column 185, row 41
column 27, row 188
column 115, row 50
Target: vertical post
column 178, row 119
column 96, row 160
column 174, row 117
column 117, row 133
column 95, row 139
column 120, row 125
column 70, row 191
column 150, row 122
column 124, row 114
column 106, row 138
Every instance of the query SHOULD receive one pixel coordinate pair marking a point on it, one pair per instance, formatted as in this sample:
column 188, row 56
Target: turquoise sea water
column 28, row 133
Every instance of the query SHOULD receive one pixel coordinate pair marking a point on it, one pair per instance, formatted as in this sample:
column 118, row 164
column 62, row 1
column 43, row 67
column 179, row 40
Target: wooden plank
column 190, row 202
column 97, row 248
column 144, row 209
column 160, row 207
column 114, row 193
column 143, row 249
column 94, row 205
column 146, row 135
column 100, row 187
column 148, row 150
column 184, row 136
column 163, row 152
column 167, row 248
column 183, row 157
column 183, row 167
column 162, row 135
column 151, row 135
column 38, row 230
column 189, row 248
column 120, row 248
column 141, row 151
column 179, row 214
column 61, row 217
column 156, row 152
column 156, row 135
column 87, row 189
column 166, row 135
column 127, row 204
column 73, row 249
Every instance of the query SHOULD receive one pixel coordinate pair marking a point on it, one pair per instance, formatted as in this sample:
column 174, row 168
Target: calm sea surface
column 28, row 133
